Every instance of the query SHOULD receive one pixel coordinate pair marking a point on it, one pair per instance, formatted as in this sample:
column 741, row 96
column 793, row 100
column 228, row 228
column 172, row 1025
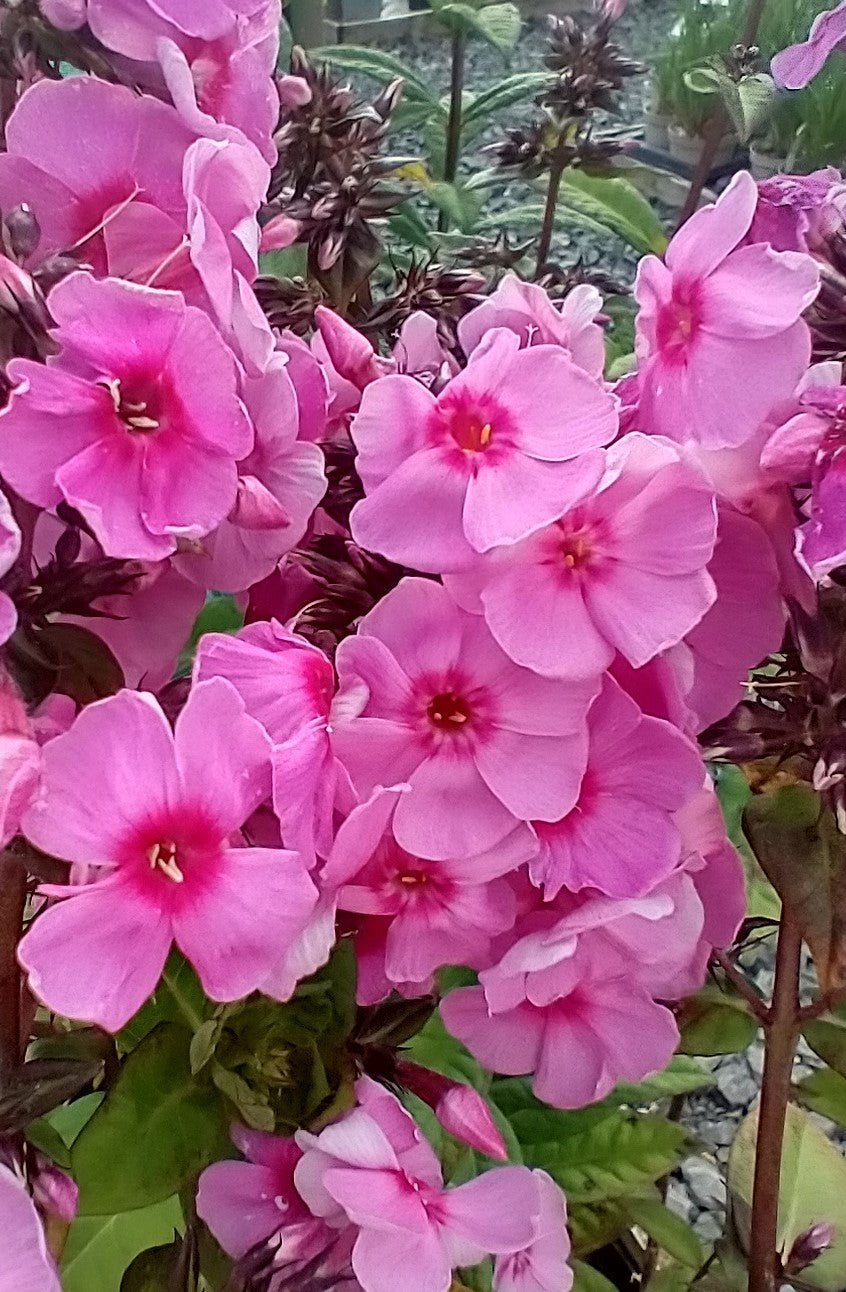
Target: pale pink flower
column 287, row 685
column 795, row 66
column 505, row 446
column 582, row 985
column 542, row 1266
column 527, row 309
column 427, row 697
column 713, row 308
column 567, row 598
column 116, row 423
column 279, row 485
column 374, row 1169
column 621, row 838
column 416, row 914
column 159, row 814
column 245, row 1203
column 419, row 352
column 10, row 546
column 26, row 1265
column 20, row 761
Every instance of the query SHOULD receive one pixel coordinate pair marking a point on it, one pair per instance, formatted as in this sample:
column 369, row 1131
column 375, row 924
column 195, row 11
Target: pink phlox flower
column 716, row 871
column 419, row 352
column 427, row 697
column 116, row 424
column 424, row 913
column 795, row 66
column 287, row 685
column 20, row 760
column 793, row 207
column 279, row 485
column 504, row 447
column 582, row 984
column 26, row 1264
column 10, row 547
column 349, row 362
column 158, row 815
column 542, row 1266
column 459, row 1108
column 311, row 385
column 246, row 1203
column 714, row 307
column 567, row 598
column 527, row 309
column 374, row 1169
column 620, row 838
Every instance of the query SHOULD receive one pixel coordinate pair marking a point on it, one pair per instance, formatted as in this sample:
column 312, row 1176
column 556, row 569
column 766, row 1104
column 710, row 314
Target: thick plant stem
column 556, row 172
column 456, row 110
column 780, row 1045
column 12, row 899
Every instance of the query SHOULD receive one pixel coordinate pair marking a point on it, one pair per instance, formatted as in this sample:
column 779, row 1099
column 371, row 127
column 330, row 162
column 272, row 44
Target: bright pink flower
column 426, row 696
column 509, row 442
column 116, row 423
column 795, row 66
column 20, row 760
column 26, row 1265
column 311, row 385
column 159, row 813
column 582, row 985
column 620, row 838
column 542, row 1266
column 374, row 1169
column 419, row 352
column 245, row 1203
column 279, row 485
column 287, row 685
column 416, row 914
column 526, row 309
column 10, row 546
column 790, row 207
column 349, row 363
column 714, row 308
column 564, row 600
column 459, row 1108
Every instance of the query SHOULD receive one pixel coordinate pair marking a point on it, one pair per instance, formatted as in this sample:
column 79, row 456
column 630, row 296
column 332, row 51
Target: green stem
column 780, row 1044
column 556, row 172
column 189, row 1013
column 456, row 110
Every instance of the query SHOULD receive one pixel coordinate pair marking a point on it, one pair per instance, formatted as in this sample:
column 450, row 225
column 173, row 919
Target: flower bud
column 460, row 1109
column 809, row 1245
column 54, row 1192
column 294, row 91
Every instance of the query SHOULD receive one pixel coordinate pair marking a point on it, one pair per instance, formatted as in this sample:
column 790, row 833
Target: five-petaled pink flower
column 714, row 308
column 795, row 66
column 510, row 441
column 117, row 424
column 159, row 814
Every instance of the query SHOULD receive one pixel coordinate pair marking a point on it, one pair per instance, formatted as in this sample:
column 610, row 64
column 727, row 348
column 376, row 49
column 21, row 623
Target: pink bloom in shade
column 10, row 546
column 790, row 207
column 158, row 814
column 245, row 1203
column 421, row 914
column 581, row 986
column 280, row 232
column 542, row 1266
column 67, row 15
column 374, row 1169
column 620, row 838
column 712, row 308
column 20, row 761
column 571, row 595
column 419, row 352
column 460, row 1109
column 745, row 623
column 287, row 685
column 508, row 443
column 116, row 424
column 715, row 870
column 795, row 66
column 311, row 385
column 426, row 696
column 349, row 362
column 26, row 1265
column 279, row 485
column 526, row 309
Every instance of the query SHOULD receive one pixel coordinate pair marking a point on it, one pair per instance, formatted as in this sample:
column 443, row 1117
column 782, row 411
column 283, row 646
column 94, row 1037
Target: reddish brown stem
column 780, row 1046
column 743, row 986
column 12, row 898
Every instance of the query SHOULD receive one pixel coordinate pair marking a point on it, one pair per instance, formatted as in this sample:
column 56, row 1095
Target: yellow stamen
column 485, row 434
column 162, row 856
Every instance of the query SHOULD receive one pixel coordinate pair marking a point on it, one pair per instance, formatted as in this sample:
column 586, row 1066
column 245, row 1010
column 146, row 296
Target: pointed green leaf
column 616, row 1157
column 733, row 792
column 380, row 65
column 99, row 1248
column 715, row 1022
column 667, row 1229
column 824, row 1092
column 681, row 1075
column 617, row 205
column 587, row 1279
column 513, row 89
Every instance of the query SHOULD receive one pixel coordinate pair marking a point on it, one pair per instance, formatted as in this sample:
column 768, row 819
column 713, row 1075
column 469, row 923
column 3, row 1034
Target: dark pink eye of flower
column 678, row 321
column 179, row 849
column 472, row 424
column 449, row 712
column 139, row 412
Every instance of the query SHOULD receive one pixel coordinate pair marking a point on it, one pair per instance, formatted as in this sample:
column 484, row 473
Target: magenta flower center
column 476, row 426
column 172, row 853
column 679, row 320
column 165, row 858
column 137, row 410
column 449, row 712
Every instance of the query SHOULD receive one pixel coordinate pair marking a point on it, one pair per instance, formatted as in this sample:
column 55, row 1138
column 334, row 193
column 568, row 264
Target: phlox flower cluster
column 497, row 767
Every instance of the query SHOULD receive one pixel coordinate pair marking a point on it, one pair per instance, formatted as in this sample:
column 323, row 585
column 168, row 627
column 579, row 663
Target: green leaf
column 285, row 262
column 617, row 205
column 99, row 1248
column 86, row 669
column 220, row 614
column 756, row 95
column 587, row 1279
column 156, row 1129
column 596, row 1224
column 733, row 792
column 702, row 80
column 433, row 1047
column 715, row 1022
column 498, row 24
column 824, row 1092
column 667, row 1229
column 203, row 1044
column 41, row 1135
column 681, row 1075
column 460, row 205
column 812, row 1188
column 507, row 92
column 827, row 1038
column 378, row 64
column 152, row 1270
column 70, row 1119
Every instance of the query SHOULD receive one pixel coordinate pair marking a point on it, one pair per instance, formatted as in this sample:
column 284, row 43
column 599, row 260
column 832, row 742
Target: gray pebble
column 709, row 1226
column 679, row 1200
column 736, row 1083
column 705, row 1181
